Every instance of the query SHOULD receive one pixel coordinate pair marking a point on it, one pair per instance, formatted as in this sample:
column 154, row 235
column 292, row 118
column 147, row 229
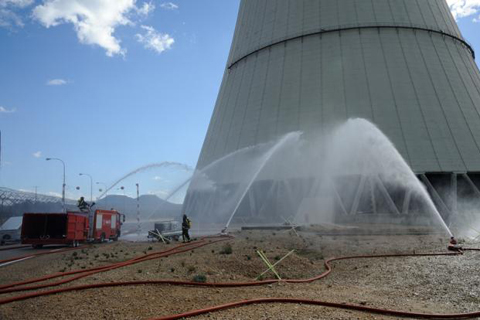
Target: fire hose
column 14, row 287
column 187, row 247
column 403, row 314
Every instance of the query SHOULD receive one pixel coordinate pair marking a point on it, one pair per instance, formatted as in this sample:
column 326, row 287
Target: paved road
column 7, row 254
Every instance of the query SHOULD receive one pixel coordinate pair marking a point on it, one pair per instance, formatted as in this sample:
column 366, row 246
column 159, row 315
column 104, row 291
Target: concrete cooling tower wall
column 308, row 65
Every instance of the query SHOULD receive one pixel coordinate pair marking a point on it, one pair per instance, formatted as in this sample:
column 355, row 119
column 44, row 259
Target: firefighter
column 186, row 225
column 453, row 245
column 83, row 205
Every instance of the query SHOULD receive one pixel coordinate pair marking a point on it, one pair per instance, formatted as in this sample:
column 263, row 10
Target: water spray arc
column 289, row 138
column 311, row 65
column 145, row 168
column 311, row 180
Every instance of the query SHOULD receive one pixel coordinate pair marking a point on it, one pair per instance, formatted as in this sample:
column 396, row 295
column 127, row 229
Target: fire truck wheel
column 102, row 237
column 117, row 236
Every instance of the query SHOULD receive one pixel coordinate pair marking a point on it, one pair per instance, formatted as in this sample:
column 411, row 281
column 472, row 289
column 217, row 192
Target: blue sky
column 115, row 113
column 112, row 92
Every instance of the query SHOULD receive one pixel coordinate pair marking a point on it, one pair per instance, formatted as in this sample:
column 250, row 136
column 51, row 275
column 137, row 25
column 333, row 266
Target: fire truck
column 71, row 228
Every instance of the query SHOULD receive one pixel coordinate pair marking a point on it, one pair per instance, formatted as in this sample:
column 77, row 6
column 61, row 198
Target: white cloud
column 16, row 3
column 5, row 110
column 94, row 21
column 154, row 40
column 169, row 6
column 8, row 12
column 54, row 194
column 159, row 178
column 159, row 193
column 146, row 9
column 56, row 82
column 37, row 154
column 464, row 8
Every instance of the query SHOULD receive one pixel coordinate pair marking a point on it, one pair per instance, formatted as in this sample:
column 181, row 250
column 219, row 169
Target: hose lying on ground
column 242, row 303
column 19, row 286
column 201, row 243
column 182, row 283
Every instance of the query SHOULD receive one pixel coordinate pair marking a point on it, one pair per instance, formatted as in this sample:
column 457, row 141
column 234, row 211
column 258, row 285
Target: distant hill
column 149, row 205
column 16, row 203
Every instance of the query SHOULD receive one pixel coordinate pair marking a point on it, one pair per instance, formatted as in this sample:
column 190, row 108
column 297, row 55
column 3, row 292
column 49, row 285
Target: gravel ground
column 420, row 284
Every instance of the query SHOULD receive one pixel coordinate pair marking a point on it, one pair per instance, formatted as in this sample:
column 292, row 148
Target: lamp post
column 63, row 186
column 91, row 185
column 106, row 193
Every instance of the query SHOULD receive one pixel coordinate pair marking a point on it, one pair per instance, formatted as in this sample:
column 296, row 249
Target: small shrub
column 277, row 258
column 150, row 248
column 75, row 254
column 172, row 269
column 139, row 271
column 191, row 268
column 227, row 249
column 200, row 278
column 249, row 258
column 182, row 263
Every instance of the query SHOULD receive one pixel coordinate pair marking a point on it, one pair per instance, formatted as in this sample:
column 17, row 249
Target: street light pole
column 91, row 185
column 106, row 192
column 63, row 186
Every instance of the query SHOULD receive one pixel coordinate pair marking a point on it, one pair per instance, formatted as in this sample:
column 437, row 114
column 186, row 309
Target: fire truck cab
column 106, row 225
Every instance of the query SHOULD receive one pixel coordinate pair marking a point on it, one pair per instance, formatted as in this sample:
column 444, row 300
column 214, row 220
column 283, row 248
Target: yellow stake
column 270, row 266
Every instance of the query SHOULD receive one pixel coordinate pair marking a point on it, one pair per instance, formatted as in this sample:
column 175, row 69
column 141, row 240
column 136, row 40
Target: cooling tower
column 307, row 65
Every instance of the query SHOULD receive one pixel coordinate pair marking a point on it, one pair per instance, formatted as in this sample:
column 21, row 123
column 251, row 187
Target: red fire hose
column 14, row 287
column 201, row 243
column 242, row 303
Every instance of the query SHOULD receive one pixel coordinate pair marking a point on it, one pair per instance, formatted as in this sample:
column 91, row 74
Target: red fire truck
column 71, row 228
column 107, row 225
